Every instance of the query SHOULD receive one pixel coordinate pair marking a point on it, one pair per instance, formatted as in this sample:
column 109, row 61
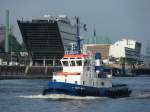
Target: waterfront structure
column 127, row 49
column 47, row 39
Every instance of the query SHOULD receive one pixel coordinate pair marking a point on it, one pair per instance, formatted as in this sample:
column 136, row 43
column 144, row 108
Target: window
column 86, row 62
column 76, row 82
column 79, row 63
column 65, row 63
column 72, row 63
column 102, row 83
column 54, row 80
column 83, row 82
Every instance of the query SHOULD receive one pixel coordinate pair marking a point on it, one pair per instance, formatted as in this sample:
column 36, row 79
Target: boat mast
column 78, row 34
column 78, row 24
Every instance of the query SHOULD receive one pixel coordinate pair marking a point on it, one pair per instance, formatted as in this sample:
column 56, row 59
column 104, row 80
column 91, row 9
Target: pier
column 143, row 71
column 27, row 72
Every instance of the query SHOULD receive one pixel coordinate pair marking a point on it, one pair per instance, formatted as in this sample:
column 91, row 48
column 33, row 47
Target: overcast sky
column 114, row 18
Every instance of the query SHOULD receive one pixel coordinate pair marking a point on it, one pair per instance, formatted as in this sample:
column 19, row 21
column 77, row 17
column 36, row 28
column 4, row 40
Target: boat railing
column 78, row 52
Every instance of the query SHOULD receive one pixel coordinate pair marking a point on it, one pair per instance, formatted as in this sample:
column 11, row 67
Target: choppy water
column 25, row 96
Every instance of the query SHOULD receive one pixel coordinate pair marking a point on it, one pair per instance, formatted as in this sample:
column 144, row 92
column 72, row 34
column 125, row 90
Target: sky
column 114, row 18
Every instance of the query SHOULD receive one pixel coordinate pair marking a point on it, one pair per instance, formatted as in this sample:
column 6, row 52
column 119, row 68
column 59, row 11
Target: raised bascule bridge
column 47, row 39
column 42, row 39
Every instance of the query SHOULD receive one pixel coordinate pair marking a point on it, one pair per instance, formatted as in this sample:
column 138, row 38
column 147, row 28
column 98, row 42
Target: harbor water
column 25, row 96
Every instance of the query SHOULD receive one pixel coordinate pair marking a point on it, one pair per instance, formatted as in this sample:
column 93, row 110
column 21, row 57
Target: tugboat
column 84, row 75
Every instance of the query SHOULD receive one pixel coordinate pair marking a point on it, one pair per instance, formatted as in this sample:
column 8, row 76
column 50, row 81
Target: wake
column 134, row 95
column 61, row 96
column 140, row 95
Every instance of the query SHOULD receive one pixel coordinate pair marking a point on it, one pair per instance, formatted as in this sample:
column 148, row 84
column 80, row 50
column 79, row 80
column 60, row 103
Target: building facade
column 126, row 48
column 102, row 48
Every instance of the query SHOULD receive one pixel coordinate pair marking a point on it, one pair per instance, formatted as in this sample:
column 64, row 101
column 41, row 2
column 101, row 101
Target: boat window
column 83, row 82
column 54, row 80
column 72, row 63
column 86, row 62
column 65, row 63
column 79, row 63
column 102, row 83
column 76, row 82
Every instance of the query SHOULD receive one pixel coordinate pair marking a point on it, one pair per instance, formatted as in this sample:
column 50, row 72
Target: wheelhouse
column 75, row 60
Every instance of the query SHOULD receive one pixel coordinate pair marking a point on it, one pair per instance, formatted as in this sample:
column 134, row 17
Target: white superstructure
column 80, row 69
column 125, row 48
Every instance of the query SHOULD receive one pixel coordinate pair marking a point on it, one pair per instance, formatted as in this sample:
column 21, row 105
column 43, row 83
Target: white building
column 126, row 48
column 146, row 58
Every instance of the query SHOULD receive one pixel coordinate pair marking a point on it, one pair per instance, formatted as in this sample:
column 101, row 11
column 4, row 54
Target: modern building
column 126, row 48
column 146, row 57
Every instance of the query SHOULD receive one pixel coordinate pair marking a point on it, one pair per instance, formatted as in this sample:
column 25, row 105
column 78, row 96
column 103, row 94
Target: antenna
column 7, row 32
column 94, row 33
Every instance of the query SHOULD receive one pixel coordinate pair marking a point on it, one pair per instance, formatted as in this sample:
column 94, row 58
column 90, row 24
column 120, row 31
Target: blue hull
column 80, row 90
